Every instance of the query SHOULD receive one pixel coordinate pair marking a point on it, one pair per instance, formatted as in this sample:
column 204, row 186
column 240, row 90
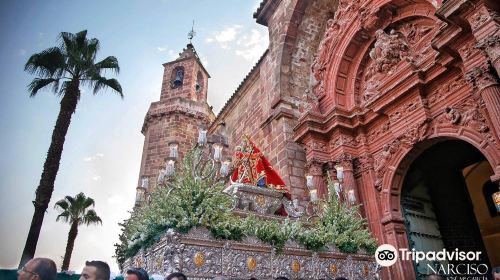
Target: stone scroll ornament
column 252, row 168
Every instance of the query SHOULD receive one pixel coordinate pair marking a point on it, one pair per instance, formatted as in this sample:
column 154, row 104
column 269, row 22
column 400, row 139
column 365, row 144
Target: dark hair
column 179, row 276
column 281, row 278
column 102, row 269
column 340, row 278
column 45, row 268
column 253, row 278
column 139, row 272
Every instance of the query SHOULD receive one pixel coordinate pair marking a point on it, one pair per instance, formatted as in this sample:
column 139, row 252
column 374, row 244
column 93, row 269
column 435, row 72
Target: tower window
column 199, row 82
column 177, row 77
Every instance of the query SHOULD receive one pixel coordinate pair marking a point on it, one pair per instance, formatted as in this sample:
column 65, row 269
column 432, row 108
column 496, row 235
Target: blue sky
column 103, row 147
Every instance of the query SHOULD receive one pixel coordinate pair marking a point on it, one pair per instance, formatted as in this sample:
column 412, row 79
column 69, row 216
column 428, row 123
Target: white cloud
column 93, row 157
column 251, row 45
column 116, row 200
column 247, row 43
column 96, row 178
column 228, row 34
column 204, row 60
column 171, row 53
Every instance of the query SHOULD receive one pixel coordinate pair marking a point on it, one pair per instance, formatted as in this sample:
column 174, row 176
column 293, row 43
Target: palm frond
column 109, row 62
column 63, row 204
column 91, row 218
column 88, row 202
column 64, row 216
column 38, row 84
column 48, row 63
column 100, row 82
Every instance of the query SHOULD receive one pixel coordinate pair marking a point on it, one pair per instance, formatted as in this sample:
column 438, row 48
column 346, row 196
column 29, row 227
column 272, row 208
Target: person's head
column 176, row 276
column 38, row 269
column 434, row 277
column 496, row 273
column 95, row 270
column 136, row 274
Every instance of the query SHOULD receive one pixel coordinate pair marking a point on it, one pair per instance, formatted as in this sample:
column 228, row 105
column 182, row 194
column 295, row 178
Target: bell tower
column 171, row 124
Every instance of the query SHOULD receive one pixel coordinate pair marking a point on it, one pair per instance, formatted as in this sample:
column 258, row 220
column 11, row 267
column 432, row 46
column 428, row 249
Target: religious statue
column 251, row 167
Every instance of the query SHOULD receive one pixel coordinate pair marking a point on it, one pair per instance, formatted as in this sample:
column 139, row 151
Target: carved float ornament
column 251, row 263
column 199, row 259
column 334, row 269
column 296, row 266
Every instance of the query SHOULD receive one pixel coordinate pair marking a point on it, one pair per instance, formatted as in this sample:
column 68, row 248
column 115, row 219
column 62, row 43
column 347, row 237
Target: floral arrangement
column 201, row 203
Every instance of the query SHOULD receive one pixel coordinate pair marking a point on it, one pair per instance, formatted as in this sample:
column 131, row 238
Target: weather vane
column 191, row 33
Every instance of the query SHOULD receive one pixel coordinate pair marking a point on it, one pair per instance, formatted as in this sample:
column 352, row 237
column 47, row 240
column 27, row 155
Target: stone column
column 484, row 82
column 349, row 182
column 315, row 169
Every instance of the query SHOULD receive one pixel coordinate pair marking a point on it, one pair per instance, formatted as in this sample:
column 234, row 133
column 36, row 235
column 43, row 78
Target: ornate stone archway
column 397, row 168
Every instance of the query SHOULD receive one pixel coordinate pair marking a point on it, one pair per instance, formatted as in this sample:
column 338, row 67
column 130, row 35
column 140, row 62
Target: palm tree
column 64, row 68
column 74, row 210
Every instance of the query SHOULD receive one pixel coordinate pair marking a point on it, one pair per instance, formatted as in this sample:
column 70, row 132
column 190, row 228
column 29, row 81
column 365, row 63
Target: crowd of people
column 46, row 269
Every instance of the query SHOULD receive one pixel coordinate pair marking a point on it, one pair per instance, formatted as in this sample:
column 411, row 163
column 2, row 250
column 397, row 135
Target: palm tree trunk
column 73, row 232
column 50, row 169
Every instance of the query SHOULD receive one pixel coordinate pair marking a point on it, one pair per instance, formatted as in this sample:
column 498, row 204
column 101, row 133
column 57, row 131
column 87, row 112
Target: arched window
column 199, row 82
column 177, row 77
column 491, row 194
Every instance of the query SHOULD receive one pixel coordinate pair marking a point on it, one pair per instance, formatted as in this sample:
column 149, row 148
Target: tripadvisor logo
column 387, row 255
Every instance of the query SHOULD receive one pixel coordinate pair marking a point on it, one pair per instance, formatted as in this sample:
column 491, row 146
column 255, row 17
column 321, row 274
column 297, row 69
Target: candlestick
column 202, row 137
column 224, row 168
column 309, row 181
column 340, row 172
column 170, row 168
column 314, row 195
column 217, row 152
column 351, row 196
column 174, row 150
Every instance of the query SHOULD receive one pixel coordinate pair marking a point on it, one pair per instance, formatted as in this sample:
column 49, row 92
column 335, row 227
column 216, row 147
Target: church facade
column 403, row 95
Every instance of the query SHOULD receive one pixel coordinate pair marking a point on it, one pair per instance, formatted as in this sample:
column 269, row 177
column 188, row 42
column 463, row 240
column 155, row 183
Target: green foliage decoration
column 201, row 203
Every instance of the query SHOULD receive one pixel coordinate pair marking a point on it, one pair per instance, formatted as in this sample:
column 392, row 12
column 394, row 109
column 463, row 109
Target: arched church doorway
column 446, row 202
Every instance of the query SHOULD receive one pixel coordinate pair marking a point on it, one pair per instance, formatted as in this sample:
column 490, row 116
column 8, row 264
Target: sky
column 103, row 146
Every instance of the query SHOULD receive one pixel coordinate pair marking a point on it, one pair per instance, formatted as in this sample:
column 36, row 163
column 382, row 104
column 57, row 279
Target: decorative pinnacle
column 191, row 33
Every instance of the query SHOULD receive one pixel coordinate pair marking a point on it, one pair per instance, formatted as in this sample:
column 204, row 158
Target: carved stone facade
column 384, row 79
